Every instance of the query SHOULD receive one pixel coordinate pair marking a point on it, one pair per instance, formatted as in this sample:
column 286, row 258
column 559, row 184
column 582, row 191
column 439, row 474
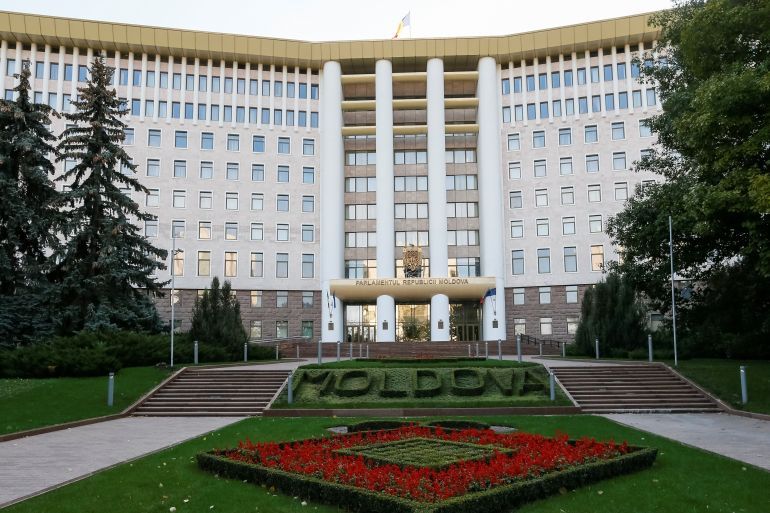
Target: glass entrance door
column 413, row 323
column 360, row 323
column 465, row 322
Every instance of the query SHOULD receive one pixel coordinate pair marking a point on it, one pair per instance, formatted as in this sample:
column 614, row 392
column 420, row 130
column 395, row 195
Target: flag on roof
column 405, row 22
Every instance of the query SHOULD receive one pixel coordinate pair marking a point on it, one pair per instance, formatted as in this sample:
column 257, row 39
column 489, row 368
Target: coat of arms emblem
column 412, row 262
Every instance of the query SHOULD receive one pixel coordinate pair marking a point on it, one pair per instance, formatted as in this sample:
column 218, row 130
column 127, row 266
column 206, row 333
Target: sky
column 324, row 20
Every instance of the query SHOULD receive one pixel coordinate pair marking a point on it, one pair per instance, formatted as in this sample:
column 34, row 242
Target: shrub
column 216, row 319
column 467, row 382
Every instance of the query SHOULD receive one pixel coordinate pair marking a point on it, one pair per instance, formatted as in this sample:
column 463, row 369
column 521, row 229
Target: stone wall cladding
column 268, row 313
column 558, row 310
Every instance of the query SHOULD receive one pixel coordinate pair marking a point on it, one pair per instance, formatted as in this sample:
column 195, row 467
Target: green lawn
column 32, row 403
column 722, row 378
column 683, row 480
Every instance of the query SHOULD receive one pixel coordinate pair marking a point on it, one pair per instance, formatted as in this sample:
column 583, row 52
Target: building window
column 231, row 171
column 565, row 166
column 231, row 200
column 180, row 139
column 518, row 296
column 541, row 197
column 256, row 265
column 540, row 168
column 153, row 138
column 204, row 230
column 205, row 199
column 591, row 134
column 307, row 329
column 595, row 223
column 308, row 204
column 282, row 265
column 128, row 136
column 513, row 142
column 594, row 193
column 464, row 267
column 619, row 160
column 592, row 163
column 257, row 201
column 207, row 170
column 461, row 238
column 255, row 330
column 308, row 265
column 282, row 233
column 178, row 198
column 618, row 131
column 151, row 228
column 204, row 263
column 597, row 258
column 515, row 199
column 514, row 170
column 572, row 324
column 153, row 167
column 257, row 231
column 644, row 128
column 568, row 195
column 519, row 327
column 517, row 261
column 308, row 233
column 282, row 203
column 307, row 299
column 308, row 146
column 571, row 293
column 284, row 145
column 538, row 139
column 231, row 231
column 546, row 326
column 257, row 173
column 544, row 294
column 651, row 100
column 256, row 298
column 177, row 268
column 281, row 329
column 517, row 229
column 570, row 259
column 565, row 136
column 231, row 264
column 233, row 142
column 282, row 299
column 308, row 175
column 543, row 261
column 621, row 191
column 258, row 144
column 543, row 227
column 568, row 225
column 180, row 169
column 506, row 114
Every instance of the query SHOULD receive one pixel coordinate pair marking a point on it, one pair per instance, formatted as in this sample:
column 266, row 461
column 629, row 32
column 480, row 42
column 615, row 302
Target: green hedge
column 458, row 424
column 341, row 391
column 377, row 425
column 427, row 391
column 467, row 390
column 500, row 498
column 97, row 353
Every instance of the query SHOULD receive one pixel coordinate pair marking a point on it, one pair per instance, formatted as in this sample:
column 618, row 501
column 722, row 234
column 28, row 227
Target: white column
column 143, row 87
column 196, row 92
column 156, row 89
column 332, row 199
column 234, row 95
column 386, row 258
column 259, row 96
column 46, row 70
column 247, row 95
column 490, row 185
column 437, row 226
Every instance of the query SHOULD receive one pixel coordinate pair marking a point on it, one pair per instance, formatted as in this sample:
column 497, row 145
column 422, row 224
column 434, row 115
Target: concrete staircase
column 230, row 392
column 632, row 389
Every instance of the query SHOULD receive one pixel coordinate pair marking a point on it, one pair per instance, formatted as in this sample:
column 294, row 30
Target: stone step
column 201, row 409
column 654, row 394
column 651, row 410
column 173, row 413
column 203, row 404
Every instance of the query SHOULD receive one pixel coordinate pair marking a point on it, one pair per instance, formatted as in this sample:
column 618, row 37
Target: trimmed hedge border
column 500, row 498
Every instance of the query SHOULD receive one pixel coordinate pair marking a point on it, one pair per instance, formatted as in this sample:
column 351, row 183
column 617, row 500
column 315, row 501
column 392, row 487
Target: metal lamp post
column 174, row 252
column 673, row 297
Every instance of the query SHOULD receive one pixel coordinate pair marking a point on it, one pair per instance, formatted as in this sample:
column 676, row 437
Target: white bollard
column 744, row 391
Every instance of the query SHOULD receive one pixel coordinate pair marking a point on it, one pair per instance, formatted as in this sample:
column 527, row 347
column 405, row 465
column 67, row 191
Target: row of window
column 412, row 238
column 545, row 110
column 462, row 267
column 590, row 135
column 567, row 194
column 570, row 260
column 281, row 329
column 556, row 79
column 231, row 230
column 204, row 112
column 618, row 162
column 543, row 226
column 151, row 78
column 544, row 295
column 411, row 183
column 409, row 157
column 232, row 171
column 207, row 142
column 256, row 267
column 545, row 324
column 206, row 200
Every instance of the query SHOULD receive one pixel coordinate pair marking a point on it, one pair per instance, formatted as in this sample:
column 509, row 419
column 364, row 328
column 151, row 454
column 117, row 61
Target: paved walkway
column 30, row 466
column 741, row 438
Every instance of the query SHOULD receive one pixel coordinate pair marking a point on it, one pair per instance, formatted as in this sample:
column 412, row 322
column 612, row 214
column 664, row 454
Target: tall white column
column 490, row 185
column 437, row 227
column 386, row 258
column 332, row 198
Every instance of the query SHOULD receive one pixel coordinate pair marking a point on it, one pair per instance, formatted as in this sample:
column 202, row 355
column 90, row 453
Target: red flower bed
column 527, row 456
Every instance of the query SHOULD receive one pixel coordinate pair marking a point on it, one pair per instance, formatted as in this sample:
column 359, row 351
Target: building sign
column 411, row 289
column 411, row 282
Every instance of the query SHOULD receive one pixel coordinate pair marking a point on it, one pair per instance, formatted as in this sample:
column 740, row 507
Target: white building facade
column 301, row 172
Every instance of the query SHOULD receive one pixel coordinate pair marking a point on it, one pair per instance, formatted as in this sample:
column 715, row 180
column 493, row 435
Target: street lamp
column 174, row 253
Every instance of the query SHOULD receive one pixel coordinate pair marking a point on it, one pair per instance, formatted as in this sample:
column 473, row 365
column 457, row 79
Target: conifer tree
column 216, row 318
column 29, row 213
column 106, row 265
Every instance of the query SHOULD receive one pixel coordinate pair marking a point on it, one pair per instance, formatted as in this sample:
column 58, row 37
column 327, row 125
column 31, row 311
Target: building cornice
column 354, row 56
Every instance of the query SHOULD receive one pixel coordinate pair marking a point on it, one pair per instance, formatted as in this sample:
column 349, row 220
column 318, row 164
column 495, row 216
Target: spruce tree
column 106, row 265
column 216, row 318
column 29, row 214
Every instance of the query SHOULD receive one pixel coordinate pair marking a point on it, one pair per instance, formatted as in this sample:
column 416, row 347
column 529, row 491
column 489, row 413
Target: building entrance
column 413, row 322
column 360, row 323
column 465, row 322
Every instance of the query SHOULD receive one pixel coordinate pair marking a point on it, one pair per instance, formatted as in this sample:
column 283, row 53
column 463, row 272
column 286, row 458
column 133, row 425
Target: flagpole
column 410, row 23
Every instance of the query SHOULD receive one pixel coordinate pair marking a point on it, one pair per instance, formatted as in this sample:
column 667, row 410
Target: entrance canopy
column 411, row 289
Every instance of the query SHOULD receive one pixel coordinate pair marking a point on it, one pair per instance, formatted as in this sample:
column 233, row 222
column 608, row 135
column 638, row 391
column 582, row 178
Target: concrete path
column 742, row 438
column 30, row 466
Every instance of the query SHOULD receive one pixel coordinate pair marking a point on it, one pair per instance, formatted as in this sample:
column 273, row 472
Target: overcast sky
column 322, row 20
